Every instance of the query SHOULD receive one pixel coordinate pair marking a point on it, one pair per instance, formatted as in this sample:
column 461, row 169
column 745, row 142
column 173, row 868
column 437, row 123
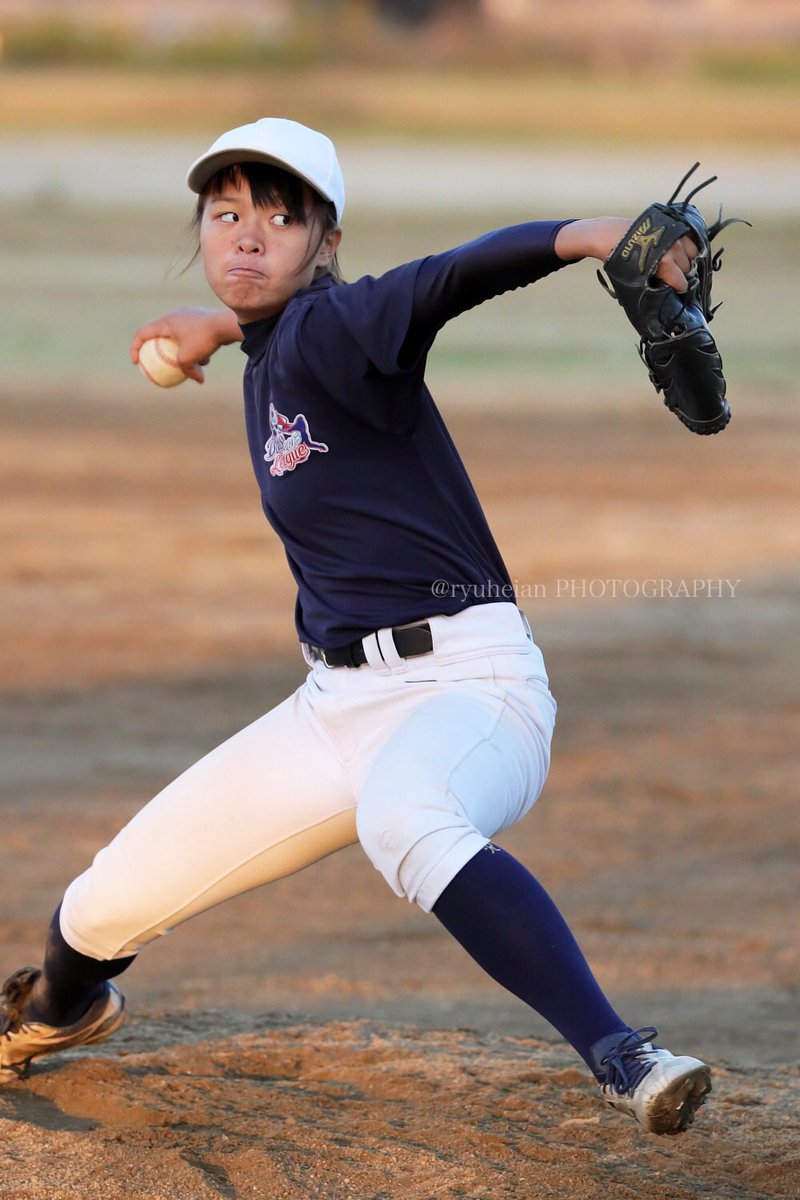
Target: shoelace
column 624, row 1065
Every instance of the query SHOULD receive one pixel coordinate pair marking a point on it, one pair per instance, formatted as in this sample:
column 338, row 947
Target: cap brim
column 206, row 167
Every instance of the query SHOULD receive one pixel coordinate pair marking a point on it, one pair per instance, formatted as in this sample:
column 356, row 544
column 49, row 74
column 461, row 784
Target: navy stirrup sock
column 506, row 921
column 72, row 979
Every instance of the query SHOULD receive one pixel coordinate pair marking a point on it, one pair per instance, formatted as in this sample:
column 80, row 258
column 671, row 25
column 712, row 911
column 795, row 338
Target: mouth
column 246, row 273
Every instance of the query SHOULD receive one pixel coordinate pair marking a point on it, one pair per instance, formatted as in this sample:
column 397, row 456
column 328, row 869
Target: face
column 255, row 258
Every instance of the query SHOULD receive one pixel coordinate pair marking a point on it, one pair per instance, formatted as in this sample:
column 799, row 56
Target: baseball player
column 423, row 727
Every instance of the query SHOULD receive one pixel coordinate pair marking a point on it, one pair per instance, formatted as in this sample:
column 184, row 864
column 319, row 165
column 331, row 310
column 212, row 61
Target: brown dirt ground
column 318, row 1038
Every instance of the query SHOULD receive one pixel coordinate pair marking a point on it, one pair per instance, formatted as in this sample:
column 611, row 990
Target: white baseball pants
column 422, row 760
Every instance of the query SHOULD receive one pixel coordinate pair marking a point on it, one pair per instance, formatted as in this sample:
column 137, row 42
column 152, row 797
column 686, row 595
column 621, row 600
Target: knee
column 81, row 928
column 418, row 843
column 94, row 922
column 386, row 827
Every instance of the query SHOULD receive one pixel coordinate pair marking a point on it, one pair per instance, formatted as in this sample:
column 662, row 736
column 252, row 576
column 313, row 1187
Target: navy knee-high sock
column 506, row 921
column 71, row 981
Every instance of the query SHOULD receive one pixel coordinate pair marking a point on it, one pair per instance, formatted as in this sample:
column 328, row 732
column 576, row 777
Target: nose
column 249, row 241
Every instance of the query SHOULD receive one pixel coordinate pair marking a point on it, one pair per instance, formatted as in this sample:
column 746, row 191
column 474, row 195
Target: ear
column 328, row 248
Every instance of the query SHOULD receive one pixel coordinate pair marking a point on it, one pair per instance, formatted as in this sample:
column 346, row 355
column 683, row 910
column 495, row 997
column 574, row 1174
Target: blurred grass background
column 691, row 80
column 81, row 278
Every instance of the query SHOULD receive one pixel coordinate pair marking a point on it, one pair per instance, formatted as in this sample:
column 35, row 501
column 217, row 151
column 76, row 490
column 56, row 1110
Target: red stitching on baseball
column 170, row 362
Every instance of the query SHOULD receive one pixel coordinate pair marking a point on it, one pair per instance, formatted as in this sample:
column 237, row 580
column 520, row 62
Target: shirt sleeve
column 350, row 340
column 367, row 341
column 451, row 283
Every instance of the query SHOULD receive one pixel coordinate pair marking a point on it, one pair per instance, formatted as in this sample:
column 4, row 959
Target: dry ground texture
column 317, row 1037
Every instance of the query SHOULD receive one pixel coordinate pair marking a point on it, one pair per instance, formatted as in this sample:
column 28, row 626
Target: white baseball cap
column 286, row 144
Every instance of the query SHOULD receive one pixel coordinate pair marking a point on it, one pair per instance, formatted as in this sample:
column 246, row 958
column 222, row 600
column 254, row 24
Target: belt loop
column 374, row 656
column 389, row 651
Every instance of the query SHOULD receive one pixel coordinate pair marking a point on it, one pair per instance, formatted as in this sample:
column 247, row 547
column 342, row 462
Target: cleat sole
column 673, row 1111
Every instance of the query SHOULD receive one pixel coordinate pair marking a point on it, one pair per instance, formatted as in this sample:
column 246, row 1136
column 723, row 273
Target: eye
column 282, row 220
column 228, row 217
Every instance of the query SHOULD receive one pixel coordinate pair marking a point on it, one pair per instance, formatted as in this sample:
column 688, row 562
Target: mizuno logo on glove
column 643, row 240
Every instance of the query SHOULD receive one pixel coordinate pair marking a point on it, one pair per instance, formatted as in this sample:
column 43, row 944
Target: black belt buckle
column 343, row 656
column 320, row 655
column 346, row 656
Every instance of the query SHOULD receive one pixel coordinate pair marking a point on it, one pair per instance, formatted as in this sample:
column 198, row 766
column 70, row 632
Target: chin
column 256, row 313
column 249, row 308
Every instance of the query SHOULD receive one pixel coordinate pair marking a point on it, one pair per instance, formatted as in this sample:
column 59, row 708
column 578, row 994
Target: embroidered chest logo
column 289, row 442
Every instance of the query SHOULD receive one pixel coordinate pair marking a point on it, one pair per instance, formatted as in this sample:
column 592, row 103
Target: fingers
column 194, row 331
column 685, row 251
column 671, row 274
column 191, row 368
column 144, row 333
column 676, row 265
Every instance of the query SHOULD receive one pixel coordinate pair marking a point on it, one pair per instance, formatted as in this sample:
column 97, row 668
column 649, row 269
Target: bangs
column 270, row 187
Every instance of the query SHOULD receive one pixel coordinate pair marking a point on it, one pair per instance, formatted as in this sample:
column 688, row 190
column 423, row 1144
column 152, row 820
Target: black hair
column 272, row 186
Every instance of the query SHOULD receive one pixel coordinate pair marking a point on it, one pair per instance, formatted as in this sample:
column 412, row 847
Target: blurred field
column 83, row 277
column 584, row 105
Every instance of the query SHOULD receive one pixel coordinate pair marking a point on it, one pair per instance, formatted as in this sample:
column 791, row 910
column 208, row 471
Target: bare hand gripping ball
column 675, row 344
column 158, row 361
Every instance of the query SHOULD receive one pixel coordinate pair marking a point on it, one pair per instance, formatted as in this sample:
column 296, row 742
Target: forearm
column 596, row 237
column 499, row 262
column 593, row 237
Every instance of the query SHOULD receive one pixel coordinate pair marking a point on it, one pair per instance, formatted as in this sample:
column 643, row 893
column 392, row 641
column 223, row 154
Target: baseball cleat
column 661, row 1091
column 21, row 1040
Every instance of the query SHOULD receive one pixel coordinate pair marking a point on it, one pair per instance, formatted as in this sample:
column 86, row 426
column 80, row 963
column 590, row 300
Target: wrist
column 226, row 326
column 591, row 237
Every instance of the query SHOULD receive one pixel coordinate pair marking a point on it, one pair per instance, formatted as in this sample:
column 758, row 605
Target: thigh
column 464, row 766
column 268, row 802
column 470, row 749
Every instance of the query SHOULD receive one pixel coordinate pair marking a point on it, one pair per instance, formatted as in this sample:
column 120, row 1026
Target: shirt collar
column 257, row 333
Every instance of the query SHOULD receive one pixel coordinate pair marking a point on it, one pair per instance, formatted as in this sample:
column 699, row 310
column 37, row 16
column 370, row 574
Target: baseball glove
column 675, row 344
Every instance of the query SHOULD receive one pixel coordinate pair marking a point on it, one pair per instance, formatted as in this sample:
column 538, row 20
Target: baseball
column 158, row 360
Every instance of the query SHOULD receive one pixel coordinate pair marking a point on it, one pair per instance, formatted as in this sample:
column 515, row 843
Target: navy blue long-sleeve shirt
column 358, row 474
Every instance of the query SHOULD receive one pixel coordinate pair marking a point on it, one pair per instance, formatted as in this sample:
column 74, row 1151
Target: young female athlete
column 425, row 720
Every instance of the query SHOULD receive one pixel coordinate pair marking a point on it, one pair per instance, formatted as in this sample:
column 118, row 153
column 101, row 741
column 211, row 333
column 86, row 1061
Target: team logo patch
column 289, row 443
